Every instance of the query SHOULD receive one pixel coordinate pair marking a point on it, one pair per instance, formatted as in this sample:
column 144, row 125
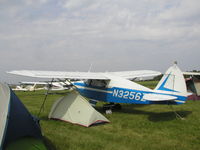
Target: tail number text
column 127, row 94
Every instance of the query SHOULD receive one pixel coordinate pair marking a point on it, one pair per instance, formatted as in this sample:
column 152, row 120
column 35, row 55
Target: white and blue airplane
column 116, row 87
column 170, row 90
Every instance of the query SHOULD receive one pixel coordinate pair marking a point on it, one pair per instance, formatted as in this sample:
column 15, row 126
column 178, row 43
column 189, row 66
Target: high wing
column 85, row 75
column 136, row 74
column 192, row 73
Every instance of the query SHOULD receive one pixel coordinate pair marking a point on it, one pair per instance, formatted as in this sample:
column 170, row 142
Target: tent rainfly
column 76, row 109
column 16, row 122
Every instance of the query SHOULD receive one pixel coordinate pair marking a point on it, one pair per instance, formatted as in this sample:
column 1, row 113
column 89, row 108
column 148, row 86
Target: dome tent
column 75, row 109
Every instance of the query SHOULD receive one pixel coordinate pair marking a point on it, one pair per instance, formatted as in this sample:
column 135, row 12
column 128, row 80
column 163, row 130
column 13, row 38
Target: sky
column 112, row 35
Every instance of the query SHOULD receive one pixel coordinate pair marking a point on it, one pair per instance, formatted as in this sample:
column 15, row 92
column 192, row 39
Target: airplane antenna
column 90, row 68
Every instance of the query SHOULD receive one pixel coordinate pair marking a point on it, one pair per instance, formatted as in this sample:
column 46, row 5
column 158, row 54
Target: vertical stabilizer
column 173, row 82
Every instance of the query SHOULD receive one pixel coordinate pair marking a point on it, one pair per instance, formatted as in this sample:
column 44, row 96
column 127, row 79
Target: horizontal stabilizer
column 158, row 97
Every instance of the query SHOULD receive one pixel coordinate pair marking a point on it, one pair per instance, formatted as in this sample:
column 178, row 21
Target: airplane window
column 96, row 83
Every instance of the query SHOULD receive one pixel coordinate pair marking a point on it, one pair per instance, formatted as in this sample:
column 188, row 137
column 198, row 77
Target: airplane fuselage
column 114, row 94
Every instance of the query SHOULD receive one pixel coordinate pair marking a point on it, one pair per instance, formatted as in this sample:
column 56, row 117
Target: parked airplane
column 33, row 86
column 116, row 87
column 19, row 88
column 29, row 86
column 58, row 86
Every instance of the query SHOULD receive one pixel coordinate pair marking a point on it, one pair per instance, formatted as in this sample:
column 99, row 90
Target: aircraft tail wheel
column 109, row 111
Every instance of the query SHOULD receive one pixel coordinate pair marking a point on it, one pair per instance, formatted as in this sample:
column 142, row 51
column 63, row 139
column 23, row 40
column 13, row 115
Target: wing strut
column 45, row 98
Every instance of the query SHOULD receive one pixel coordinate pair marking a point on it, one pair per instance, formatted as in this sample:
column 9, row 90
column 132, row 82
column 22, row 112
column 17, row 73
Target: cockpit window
column 97, row 83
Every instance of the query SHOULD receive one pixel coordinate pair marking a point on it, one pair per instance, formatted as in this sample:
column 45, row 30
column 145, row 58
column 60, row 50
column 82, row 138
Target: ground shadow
column 57, row 93
column 167, row 116
column 45, row 118
column 125, row 108
column 97, row 124
column 152, row 116
column 49, row 145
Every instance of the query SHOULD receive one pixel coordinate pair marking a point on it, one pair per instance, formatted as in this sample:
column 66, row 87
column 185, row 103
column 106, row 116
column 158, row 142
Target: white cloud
column 78, row 32
column 31, row 2
column 77, row 4
column 148, row 20
column 183, row 10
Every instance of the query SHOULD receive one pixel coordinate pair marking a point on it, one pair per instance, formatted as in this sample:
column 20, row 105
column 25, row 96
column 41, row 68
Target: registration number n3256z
column 127, row 94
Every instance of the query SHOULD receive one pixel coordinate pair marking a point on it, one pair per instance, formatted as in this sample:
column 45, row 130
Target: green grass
column 139, row 127
column 150, row 84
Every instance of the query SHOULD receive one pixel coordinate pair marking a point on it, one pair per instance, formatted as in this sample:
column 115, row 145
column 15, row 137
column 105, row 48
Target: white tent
column 75, row 109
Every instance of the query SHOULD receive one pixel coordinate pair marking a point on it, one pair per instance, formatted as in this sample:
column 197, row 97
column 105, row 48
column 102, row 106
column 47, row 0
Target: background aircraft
column 48, row 85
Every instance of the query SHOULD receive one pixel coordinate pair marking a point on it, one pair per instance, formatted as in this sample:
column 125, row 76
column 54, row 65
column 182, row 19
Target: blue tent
column 15, row 120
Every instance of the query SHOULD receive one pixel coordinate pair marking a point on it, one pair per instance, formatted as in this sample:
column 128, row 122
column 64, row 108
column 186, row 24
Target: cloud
column 112, row 34
column 77, row 4
column 183, row 10
column 147, row 20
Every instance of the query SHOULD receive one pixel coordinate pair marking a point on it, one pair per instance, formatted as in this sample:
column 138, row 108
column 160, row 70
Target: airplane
column 49, row 85
column 58, row 86
column 32, row 86
column 19, row 88
column 28, row 86
column 117, row 87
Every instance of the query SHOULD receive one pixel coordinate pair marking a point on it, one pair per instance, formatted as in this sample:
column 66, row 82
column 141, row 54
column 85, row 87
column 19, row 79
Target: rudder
column 173, row 82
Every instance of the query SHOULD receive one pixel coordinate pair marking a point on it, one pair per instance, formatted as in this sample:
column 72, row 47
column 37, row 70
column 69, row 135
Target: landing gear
column 108, row 111
column 111, row 106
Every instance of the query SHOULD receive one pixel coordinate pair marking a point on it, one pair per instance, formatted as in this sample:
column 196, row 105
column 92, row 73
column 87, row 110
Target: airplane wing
column 84, row 75
column 32, row 83
column 136, row 74
column 59, row 74
column 192, row 73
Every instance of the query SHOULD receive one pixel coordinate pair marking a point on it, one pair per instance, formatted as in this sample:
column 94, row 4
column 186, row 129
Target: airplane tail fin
column 173, row 82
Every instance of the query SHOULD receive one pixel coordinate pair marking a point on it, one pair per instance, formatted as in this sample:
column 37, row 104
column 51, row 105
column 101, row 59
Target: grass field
column 135, row 127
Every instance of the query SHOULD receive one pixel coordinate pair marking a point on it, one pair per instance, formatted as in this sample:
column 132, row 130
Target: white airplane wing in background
column 85, row 75
column 32, row 83
column 192, row 73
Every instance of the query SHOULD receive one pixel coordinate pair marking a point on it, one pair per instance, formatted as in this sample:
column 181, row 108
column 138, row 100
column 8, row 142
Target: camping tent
column 76, row 109
column 15, row 121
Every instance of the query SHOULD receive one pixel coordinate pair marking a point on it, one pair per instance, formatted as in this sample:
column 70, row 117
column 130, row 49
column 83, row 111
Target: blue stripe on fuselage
column 120, row 95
